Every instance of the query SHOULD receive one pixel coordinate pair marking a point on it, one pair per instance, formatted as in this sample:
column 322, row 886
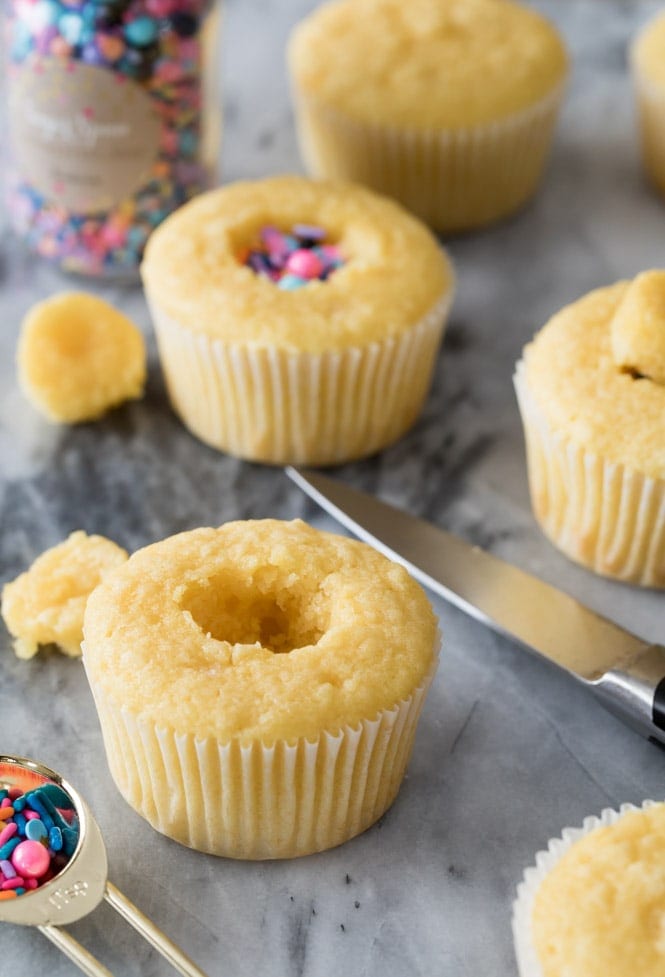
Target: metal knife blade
column 627, row 672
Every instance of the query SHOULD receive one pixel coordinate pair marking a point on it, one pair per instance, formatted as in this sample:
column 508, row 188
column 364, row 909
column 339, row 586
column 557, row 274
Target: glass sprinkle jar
column 108, row 123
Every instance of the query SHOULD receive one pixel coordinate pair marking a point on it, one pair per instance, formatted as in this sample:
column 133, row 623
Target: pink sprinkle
column 16, row 883
column 331, row 251
column 30, row 815
column 6, row 801
column 8, row 832
column 304, row 263
column 14, row 792
column 31, row 883
column 31, row 859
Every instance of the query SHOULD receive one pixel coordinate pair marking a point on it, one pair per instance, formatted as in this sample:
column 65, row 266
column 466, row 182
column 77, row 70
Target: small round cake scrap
column 647, row 58
column 592, row 399
column 258, row 685
column 45, row 604
column 594, row 903
column 297, row 321
column 78, row 357
column 447, row 105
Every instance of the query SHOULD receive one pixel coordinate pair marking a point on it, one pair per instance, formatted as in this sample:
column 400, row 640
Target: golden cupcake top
column 258, row 630
column 593, row 371
column 427, row 63
column 393, row 270
column 648, row 51
column 600, row 912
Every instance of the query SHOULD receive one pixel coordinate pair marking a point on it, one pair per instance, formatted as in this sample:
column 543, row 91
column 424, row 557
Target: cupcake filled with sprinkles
column 298, row 321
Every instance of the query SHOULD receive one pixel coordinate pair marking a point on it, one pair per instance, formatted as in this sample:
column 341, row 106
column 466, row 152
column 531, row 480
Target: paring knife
column 624, row 671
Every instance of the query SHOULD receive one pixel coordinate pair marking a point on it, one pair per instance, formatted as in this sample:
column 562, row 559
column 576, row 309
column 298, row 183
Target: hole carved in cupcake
column 278, row 620
column 293, row 258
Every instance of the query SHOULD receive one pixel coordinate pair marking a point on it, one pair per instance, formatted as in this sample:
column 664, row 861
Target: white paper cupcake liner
column 453, row 179
column 599, row 513
column 257, row 801
column 280, row 407
column 527, row 959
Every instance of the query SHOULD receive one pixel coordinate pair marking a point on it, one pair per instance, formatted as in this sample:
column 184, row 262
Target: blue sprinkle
column 20, row 821
column 39, row 808
column 141, row 32
column 20, row 891
column 290, row 282
column 35, row 830
column 55, row 839
column 71, row 28
column 19, row 803
column 57, row 796
column 4, row 793
column 70, row 839
column 9, row 847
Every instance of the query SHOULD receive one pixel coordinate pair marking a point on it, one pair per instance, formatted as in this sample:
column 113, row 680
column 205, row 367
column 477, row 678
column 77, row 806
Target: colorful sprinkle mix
column 37, row 842
column 291, row 260
column 155, row 44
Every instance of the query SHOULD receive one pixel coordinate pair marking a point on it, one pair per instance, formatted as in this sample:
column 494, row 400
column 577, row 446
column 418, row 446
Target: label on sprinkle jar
column 81, row 135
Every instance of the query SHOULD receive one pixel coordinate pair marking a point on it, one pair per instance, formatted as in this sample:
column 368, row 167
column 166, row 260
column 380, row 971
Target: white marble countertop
column 509, row 750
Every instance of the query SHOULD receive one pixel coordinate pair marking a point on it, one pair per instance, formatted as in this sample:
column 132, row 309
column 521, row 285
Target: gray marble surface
column 509, row 750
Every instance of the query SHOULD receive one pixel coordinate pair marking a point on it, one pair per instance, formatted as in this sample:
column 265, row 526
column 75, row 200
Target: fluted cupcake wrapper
column 279, row 407
column 599, row 513
column 650, row 101
column 255, row 801
column 525, row 951
column 454, row 179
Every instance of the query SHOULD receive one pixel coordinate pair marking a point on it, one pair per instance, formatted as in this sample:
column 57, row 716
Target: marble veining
column 509, row 750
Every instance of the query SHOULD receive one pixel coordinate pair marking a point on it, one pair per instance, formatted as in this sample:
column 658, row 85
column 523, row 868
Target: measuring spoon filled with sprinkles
column 53, row 866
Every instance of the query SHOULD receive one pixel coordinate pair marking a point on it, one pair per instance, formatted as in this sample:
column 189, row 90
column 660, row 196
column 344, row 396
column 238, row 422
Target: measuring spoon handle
column 73, row 949
column 169, row 950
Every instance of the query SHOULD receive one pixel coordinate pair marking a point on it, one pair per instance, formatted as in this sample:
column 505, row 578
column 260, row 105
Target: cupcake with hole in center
column 297, row 321
column 591, row 392
column 449, row 106
column 258, row 685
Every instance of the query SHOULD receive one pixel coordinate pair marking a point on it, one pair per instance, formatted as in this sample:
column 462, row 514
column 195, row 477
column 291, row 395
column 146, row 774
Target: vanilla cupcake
column 334, row 369
column 647, row 58
column 593, row 904
column 591, row 391
column 447, row 105
column 258, row 685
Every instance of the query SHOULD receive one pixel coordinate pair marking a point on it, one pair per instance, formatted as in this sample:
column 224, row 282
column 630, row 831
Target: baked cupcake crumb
column 78, row 357
column 45, row 605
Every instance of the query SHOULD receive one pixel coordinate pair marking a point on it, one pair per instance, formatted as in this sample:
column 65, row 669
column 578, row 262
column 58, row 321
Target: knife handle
column 636, row 692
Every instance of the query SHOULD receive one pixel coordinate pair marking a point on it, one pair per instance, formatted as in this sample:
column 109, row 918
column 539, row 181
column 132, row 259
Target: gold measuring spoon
column 80, row 885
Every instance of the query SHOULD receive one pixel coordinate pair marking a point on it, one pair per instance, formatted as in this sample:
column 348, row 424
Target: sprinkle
column 154, row 45
column 8, row 832
column 294, row 259
column 37, row 844
column 7, row 869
